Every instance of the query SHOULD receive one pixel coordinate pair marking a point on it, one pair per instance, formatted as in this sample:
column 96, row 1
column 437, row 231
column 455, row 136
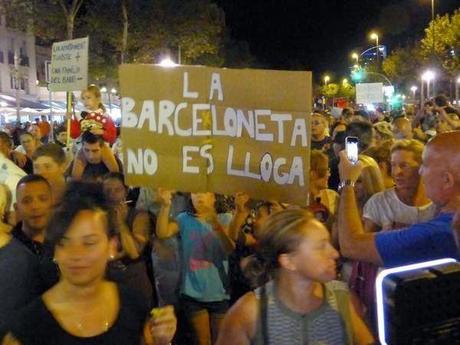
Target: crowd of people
column 86, row 259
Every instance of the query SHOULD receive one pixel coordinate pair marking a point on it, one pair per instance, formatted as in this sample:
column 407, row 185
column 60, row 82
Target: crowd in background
column 84, row 257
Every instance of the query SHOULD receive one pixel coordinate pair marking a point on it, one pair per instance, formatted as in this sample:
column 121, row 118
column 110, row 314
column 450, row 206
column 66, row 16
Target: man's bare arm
column 354, row 242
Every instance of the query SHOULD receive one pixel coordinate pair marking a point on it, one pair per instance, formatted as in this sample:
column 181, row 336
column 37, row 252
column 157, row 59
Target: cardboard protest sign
column 69, row 65
column 368, row 93
column 193, row 128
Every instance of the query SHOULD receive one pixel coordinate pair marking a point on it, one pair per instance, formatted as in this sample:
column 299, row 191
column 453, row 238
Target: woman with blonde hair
column 323, row 201
column 299, row 302
column 370, row 181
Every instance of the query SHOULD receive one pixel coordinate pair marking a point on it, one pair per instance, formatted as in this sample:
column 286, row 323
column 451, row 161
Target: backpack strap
column 264, row 315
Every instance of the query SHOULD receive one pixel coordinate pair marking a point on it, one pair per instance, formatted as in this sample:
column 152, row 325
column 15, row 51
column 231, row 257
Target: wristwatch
column 346, row 183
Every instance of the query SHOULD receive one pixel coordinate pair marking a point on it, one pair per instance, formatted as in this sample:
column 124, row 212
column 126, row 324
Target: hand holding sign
column 240, row 201
column 165, row 197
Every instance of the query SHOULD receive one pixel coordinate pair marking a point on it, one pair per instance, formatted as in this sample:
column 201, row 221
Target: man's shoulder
column 442, row 221
column 387, row 194
column 436, row 226
column 17, row 254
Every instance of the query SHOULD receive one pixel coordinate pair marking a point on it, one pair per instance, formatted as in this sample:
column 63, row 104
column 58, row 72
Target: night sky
column 319, row 35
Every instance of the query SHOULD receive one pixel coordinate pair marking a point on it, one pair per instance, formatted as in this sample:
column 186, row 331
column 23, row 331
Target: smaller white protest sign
column 368, row 93
column 69, row 65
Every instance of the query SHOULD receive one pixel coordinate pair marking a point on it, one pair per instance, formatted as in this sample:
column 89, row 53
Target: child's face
column 48, row 168
column 90, row 101
column 62, row 137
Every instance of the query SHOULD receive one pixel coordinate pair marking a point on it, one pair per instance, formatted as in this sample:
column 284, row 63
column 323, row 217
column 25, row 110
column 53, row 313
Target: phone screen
column 351, row 146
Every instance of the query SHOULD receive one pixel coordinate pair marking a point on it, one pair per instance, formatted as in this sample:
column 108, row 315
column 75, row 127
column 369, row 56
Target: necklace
column 81, row 329
column 81, row 323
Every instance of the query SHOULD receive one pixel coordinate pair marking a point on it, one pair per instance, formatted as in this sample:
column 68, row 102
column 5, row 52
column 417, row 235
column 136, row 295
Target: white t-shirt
column 385, row 210
column 10, row 174
column 21, row 149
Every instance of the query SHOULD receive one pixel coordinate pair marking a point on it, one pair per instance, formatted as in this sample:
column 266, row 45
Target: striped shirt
column 330, row 324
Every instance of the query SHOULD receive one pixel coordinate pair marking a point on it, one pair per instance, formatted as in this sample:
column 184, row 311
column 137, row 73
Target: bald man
column 402, row 128
column 440, row 171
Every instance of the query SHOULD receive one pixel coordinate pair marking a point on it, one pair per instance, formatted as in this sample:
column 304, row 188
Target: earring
column 55, row 260
column 112, row 256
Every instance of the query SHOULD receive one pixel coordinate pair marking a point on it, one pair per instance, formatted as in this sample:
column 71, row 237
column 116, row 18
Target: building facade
column 18, row 72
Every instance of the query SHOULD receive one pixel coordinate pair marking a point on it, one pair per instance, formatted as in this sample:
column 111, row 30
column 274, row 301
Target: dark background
column 320, row 35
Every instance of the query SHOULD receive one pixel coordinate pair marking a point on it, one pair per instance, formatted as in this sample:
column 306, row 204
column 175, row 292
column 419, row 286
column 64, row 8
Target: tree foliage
column 442, row 39
column 133, row 31
column 330, row 90
column 403, row 65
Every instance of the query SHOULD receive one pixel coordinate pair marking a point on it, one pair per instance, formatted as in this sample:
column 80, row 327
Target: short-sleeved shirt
column 385, row 210
column 36, row 325
column 203, row 258
column 10, row 174
column 420, row 242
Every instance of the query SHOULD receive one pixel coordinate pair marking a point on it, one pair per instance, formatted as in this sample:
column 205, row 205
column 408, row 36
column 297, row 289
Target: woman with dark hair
column 205, row 248
column 133, row 236
column 83, row 307
column 299, row 302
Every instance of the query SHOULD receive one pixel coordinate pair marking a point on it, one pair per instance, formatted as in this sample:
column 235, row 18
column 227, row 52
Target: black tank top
column 35, row 325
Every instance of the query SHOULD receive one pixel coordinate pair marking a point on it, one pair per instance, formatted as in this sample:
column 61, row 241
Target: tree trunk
column 70, row 25
column 124, row 40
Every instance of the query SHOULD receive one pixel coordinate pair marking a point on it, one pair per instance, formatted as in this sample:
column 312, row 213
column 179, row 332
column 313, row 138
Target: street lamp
column 457, row 86
column 167, row 62
column 414, row 90
column 432, row 20
column 375, row 37
column 428, row 76
column 356, row 57
column 326, row 79
column 345, row 81
column 17, row 85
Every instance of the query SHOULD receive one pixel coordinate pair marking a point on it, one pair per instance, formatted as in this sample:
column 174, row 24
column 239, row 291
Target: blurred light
column 370, row 107
column 326, row 79
column 114, row 91
column 458, row 80
column 374, row 36
column 167, row 62
column 396, row 101
column 355, row 56
column 345, row 81
column 358, row 74
column 103, row 89
column 3, row 104
column 428, row 76
column 380, row 292
column 403, row 96
column 388, row 91
column 413, row 88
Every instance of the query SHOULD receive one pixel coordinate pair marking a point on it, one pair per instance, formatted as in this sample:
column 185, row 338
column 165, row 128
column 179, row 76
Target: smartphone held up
column 351, row 147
